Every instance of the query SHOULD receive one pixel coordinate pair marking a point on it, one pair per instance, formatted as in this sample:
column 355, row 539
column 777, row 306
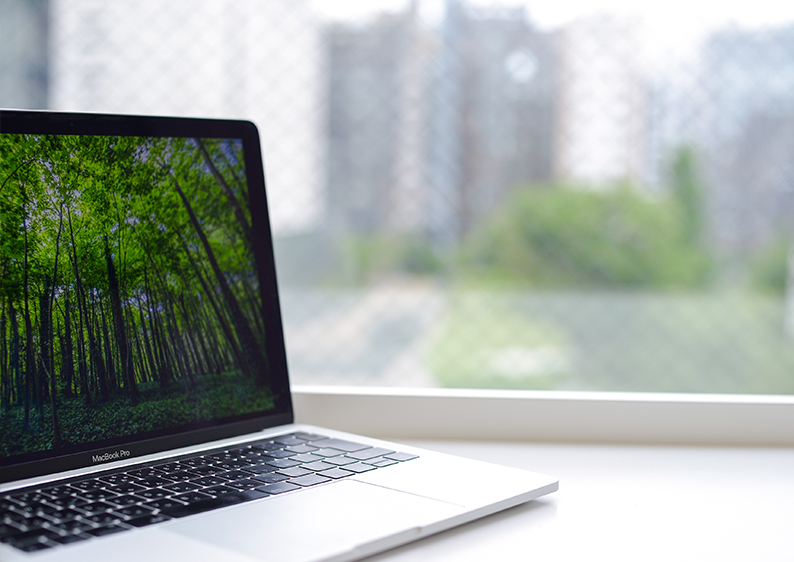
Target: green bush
column 769, row 268
column 371, row 256
column 554, row 236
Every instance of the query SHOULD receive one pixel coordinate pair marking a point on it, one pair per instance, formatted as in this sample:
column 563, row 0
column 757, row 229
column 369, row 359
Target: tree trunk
column 227, row 190
column 127, row 367
column 257, row 365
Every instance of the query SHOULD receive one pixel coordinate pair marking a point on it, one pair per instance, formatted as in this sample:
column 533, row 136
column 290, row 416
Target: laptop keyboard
column 114, row 501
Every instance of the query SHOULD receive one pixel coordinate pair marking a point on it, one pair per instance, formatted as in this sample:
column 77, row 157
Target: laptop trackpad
column 319, row 522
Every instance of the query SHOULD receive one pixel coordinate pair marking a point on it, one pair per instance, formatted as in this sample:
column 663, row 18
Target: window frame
column 550, row 416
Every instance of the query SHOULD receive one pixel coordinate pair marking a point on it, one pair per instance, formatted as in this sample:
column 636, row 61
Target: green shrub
column 564, row 237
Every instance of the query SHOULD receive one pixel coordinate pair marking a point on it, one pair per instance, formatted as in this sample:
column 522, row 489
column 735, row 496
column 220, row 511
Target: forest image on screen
column 129, row 296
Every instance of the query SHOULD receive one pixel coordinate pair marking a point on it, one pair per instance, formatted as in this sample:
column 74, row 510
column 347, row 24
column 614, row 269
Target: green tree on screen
column 124, row 262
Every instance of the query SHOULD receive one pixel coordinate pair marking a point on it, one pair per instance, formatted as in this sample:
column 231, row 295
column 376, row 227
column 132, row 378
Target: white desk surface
column 625, row 502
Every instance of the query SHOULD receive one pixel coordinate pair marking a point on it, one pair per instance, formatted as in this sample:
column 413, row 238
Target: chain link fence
column 464, row 196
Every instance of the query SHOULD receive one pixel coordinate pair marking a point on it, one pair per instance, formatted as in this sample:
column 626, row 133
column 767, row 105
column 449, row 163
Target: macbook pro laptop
column 145, row 409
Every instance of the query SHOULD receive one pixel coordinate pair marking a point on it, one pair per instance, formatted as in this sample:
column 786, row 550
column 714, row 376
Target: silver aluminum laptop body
column 143, row 384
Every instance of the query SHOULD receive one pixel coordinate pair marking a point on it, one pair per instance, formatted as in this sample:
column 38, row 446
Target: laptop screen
column 131, row 288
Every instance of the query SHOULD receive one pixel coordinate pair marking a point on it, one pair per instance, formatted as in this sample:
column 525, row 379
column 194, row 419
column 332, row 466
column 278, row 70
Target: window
column 578, row 196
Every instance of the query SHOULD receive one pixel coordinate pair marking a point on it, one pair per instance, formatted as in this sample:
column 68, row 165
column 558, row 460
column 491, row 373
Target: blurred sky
column 670, row 28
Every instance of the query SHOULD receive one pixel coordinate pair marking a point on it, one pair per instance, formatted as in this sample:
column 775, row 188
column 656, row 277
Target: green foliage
column 372, row 256
column 483, row 343
column 555, row 236
column 118, row 416
column 686, row 188
column 124, row 262
column 769, row 268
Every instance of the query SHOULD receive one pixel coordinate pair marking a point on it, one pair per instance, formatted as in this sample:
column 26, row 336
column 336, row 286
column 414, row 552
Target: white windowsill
column 582, row 417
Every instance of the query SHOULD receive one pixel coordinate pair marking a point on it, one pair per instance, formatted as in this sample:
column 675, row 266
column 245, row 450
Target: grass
column 484, row 344
column 158, row 409
column 643, row 342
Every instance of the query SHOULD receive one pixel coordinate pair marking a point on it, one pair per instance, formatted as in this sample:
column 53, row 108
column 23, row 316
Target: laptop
column 145, row 409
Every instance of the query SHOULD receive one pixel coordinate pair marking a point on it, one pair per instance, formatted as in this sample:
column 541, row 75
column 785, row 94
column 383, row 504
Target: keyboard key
column 380, row 462
column 302, row 448
column 75, row 526
column 244, row 484
column 134, row 511
column 67, row 515
column 191, row 497
column 183, row 475
column 283, row 454
column 35, row 522
column 216, row 491
column 209, row 504
column 154, row 481
column 30, row 537
column 278, row 488
column 14, row 517
column 272, row 478
column 340, row 444
column 169, row 467
column 233, row 475
column 56, row 491
column 401, row 456
column 123, row 501
column 283, row 463
column 260, row 468
column 207, row 470
column 339, row 461
column 126, row 489
column 69, row 539
column 328, row 452
column 162, row 504
column 309, row 480
column 116, row 479
column 181, row 487
column 87, row 485
column 336, row 473
column 359, row 467
column 36, row 509
column 95, row 495
column 308, row 436
column 147, row 520
column 232, row 465
column 220, row 457
column 209, row 481
column 108, row 530
column 95, row 507
column 103, row 518
column 33, row 547
column 195, row 462
column 318, row 466
column 154, row 494
column 307, row 457
column 370, row 453
column 294, row 471
column 31, row 497
column 267, row 446
column 288, row 440
column 144, row 473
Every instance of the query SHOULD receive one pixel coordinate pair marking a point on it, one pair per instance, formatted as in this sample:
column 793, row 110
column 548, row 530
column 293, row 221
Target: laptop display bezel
column 62, row 123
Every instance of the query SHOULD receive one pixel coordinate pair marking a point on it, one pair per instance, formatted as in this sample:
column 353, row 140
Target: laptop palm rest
column 324, row 522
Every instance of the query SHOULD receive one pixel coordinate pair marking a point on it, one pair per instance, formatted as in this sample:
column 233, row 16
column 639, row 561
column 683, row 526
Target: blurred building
column 495, row 111
column 602, row 127
column 749, row 79
column 377, row 91
column 24, row 53
column 430, row 129
column 253, row 59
